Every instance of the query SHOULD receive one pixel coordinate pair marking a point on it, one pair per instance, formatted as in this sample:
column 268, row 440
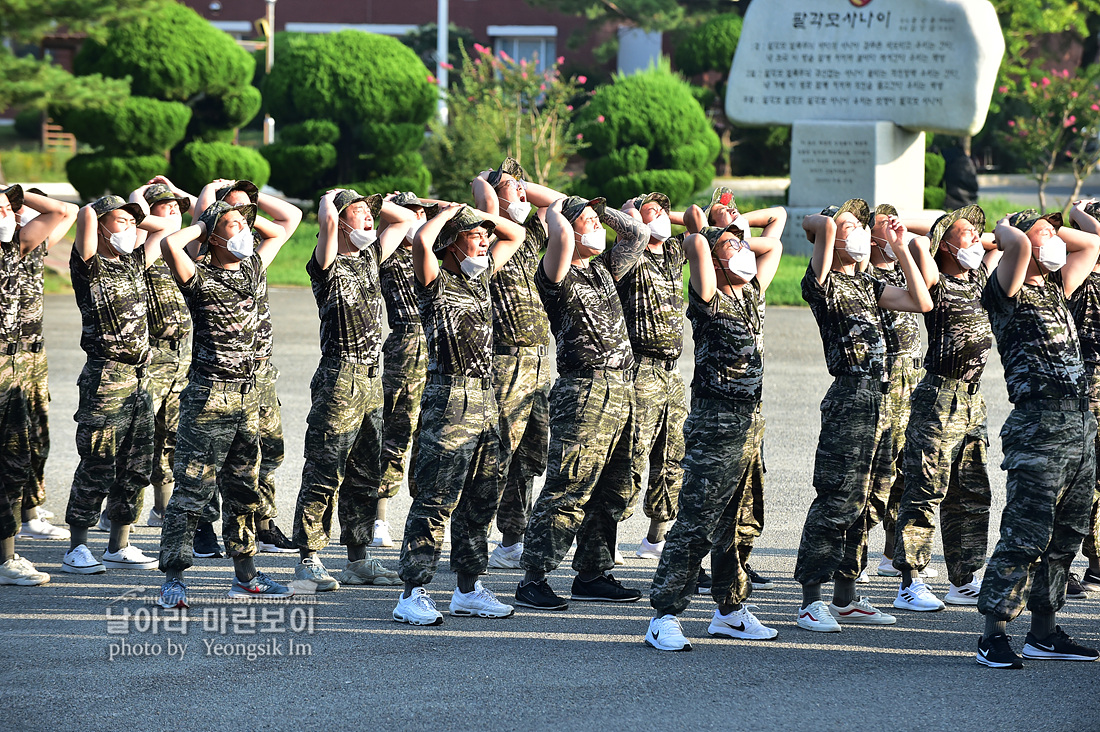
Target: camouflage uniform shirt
column 113, row 306
column 959, row 334
column 729, row 344
column 397, row 277
column 224, row 306
column 847, row 313
column 30, row 295
column 169, row 319
column 1085, row 306
column 518, row 316
column 1037, row 340
column 900, row 331
column 458, row 323
column 349, row 302
column 653, row 302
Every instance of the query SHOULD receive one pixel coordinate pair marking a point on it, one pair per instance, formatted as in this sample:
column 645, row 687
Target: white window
column 537, row 44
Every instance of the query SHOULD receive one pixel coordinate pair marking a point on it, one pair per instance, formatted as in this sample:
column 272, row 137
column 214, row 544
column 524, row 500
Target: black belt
column 864, row 382
column 521, row 350
column 172, row 344
column 12, row 348
column 402, row 329
column 139, row 370
column 946, row 382
column 668, row 364
column 481, row 382
column 620, row 374
column 1053, row 405
column 237, row 386
column 36, row 347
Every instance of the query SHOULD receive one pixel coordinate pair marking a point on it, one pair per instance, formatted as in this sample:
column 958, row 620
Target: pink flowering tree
column 500, row 107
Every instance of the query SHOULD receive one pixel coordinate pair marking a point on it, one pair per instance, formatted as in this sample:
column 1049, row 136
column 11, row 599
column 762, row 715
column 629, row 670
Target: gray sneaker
column 368, row 572
column 312, row 570
column 261, row 586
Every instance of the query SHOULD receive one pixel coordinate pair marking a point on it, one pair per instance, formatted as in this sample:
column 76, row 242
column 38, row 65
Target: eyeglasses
column 594, row 219
column 518, row 185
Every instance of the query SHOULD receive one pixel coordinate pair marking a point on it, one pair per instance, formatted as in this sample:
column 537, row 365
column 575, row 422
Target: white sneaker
column 104, row 523
column 40, row 529
column 929, row 573
column 18, row 571
column 861, row 612
column 382, row 534
column 886, row 568
column 649, row 551
column 81, row 561
column 665, row 634
column 447, row 533
column 620, row 560
column 965, row 595
column 44, row 514
column 129, row 557
column 417, row 609
column 918, row 598
column 863, row 579
column 506, row 557
column 740, row 624
column 481, row 603
column 156, row 518
column 816, row 616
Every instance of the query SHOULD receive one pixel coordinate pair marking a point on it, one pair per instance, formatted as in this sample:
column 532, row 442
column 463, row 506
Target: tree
column 423, row 42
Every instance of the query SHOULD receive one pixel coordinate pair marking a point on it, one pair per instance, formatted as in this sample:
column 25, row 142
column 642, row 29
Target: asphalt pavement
column 72, row 658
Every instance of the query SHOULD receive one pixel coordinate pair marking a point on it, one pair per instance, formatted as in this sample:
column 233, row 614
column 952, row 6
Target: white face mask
column 362, row 238
column 7, row 227
column 743, row 224
column 414, row 227
column 858, row 244
column 27, row 215
column 742, row 264
column 660, row 228
column 241, row 244
column 474, row 266
column 887, row 249
column 1052, row 254
column 971, row 257
column 518, row 211
column 124, row 242
column 594, row 240
column 175, row 223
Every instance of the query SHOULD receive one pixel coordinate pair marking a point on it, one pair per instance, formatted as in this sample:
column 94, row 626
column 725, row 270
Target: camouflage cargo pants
column 1051, row 463
column 457, row 472
column 167, row 377
column 588, row 484
column 1091, row 546
column 271, row 437
column 835, row 532
column 217, row 451
column 34, row 377
column 342, row 456
column 723, row 441
column 887, row 478
column 660, row 412
column 114, row 439
column 522, row 384
column 15, row 461
column 404, row 369
column 945, row 460
column 750, row 520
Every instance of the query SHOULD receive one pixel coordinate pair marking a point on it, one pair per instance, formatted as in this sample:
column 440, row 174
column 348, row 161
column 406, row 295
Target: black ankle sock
column 844, row 592
column 1042, row 624
column 810, row 594
column 993, row 626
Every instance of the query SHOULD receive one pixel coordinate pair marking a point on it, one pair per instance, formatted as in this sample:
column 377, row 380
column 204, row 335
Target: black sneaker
column 604, row 588
column 539, row 596
column 759, row 581
column 704, row 583
column 997, row 652
column 1091, row 581
column 273, row 540
column 1074, row 590
column 1056, row 647
column 206, row 542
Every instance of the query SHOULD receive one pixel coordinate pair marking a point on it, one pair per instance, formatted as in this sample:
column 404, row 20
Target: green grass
column 289, row 268
column 33, row 166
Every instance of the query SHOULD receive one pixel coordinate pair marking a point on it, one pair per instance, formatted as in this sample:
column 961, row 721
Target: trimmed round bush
column 138, row 126
column 198, row 163
column 934, row 196
column 28, row 123
column 295, row 168
column 96, row 174
column 310, row 132
column 710, row 47
column 934, row 167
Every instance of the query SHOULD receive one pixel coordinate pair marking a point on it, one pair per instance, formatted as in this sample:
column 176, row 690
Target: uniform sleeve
column 632, row 237
column 813, row 292
column 191, row 287
column 536, row 233
column 550, row 292
column 994, row 299
column 878, row 286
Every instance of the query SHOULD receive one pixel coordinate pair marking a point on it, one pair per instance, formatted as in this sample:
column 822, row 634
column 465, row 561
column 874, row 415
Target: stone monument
column 860, row 81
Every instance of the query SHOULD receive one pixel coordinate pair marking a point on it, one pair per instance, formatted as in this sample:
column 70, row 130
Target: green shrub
column 296, row 168
column 138, row 126
column 34, row 165
column 934, row 197
column 710, row 47
column 94, row 174
column 201, row 162
column 934, row 165
column 28, row 123
column 310, row 132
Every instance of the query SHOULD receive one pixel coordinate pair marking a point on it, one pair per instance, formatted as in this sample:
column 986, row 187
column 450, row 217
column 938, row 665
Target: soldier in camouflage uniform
column 730, row 272
column 588, row 482
column 404, row 364
column 114, row 435
column 1048, row 439
column 457, row 464
column 945, row 446
column 845, row 302
column 218, row 441
column 521, row 342
column 344, row 429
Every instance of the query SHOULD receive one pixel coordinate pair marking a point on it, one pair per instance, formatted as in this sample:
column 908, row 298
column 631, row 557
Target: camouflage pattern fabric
column 659, row 416
column 723, row 440
column 588, row 483
column 750, row 519
column 729, row 344
column 217, row 450
column 945, row 461
column 167, row 378
column 169, row 319
column 1091, row 545
column 1051, row 463
column 349, row 303
column 835, row 531
column 112, row 299
column 847, row 314
column 265, row 336
column 1085, row 307
column 522, row 384
column 223, row 305
column 271, row 437
column 652, row 295
column 114, row 439
column 959, row 334
column 457, row 477
column 518, row 316
column 1037, row 340
column 456, row 313
column 342, row 456
column 15, row 463
column 30, row 282
column 404, row 371
column 900, row 330
column 396, row 279
column 35, row 387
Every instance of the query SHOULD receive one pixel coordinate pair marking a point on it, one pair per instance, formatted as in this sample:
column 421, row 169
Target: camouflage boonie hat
column 1093, row 209
column 510, row 166
column 466, row 219
column 214, row 212
column 723, row 197
column 714, row 234
column 349, row 196
column 15, row 196
column 159, row 193
column 884, row 209
column 659, row 198
column 1024, row 220
column 574, row 205
column 408, row 199
column 973, row 214
column 107, row 204
column 855, row 206
column 241, row 185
